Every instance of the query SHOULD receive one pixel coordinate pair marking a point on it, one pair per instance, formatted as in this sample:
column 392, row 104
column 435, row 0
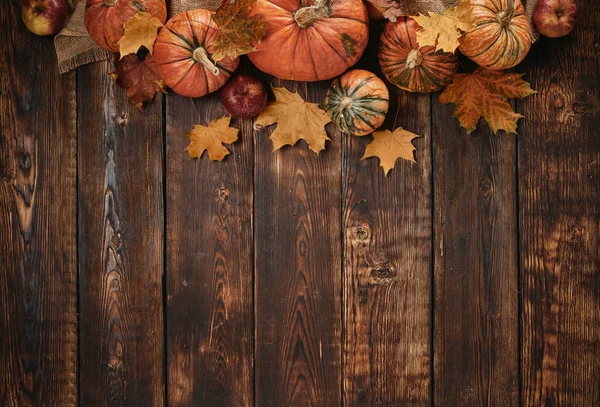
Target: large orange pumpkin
column 410, row 66
column 310, row 40
column 104, row 19
column 183, row 55
column 502, row 36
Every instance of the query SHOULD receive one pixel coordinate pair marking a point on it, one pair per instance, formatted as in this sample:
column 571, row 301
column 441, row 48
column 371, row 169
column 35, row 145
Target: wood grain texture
column 209, row 263
column 121, row 225
column 559, row 190
column 387, row 263
column 38, row 261
column 298, row 268
column 476, row 337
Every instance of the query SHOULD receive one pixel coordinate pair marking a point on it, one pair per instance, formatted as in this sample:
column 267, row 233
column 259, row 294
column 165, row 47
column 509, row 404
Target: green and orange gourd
column 502, row 34
column 410, row 66
column 357, row 102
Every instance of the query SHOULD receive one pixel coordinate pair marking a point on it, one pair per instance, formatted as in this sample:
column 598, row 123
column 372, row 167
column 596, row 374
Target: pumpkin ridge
column 295, row 52
column 190, row 45
column 312, row 61
column 183, row 76
column 189, row 23
column 369, row 109
column 360, row 85
column 364, row 120
column 176, row 45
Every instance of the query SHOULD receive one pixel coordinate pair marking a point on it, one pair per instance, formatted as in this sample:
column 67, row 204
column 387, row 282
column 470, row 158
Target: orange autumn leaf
column 443, row 30
column 296, row 119
column 138, row 78
column 211, row 138
column 140, row 30
column 238, row 32
column 388, row 147
column 485, row 93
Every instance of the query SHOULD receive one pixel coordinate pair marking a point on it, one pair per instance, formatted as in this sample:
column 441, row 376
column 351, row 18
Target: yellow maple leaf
column 444, row 30
column 238, row 32
column 485, row 93
column 211, row 138
column 141, row 29
column 390, row 146
column 296, row 119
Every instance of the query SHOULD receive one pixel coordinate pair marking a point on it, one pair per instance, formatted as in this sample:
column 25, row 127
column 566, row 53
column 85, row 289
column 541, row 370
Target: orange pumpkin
column 104, row 19
column 357, row 102
column 410, row 66
column 183, row 51
column 502, row 36
column 310, row 40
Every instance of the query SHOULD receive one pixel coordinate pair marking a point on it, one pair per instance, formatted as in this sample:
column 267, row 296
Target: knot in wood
column 362, row 395
column 383, row 272
column 24, row 160
column 223, row 194
column 361, row 233
column 122, row 119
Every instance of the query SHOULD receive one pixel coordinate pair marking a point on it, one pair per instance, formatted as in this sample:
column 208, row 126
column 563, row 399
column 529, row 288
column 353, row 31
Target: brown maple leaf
column 392, row 9
column 140, row 30
column 138, row 78
column 296, row 119
column 485, row 93
column 238, row 32
column 211, row 138
column 444, row 30
column 390, row 146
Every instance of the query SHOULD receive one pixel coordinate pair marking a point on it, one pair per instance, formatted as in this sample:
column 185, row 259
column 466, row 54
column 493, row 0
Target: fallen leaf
column 141, row 29
column 296, row 119
column 237, row 31
column 138, row 78
column 390, row 146
column 485, row 93
column 211, row 138
column 443, row 31
column 391, row 9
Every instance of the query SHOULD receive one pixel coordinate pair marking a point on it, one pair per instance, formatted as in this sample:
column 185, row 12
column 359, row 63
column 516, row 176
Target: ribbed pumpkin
column 502, row 36
column 104, row 19
column 183, row 51
column 310, row 40
column 409, row 66
column 357, row 102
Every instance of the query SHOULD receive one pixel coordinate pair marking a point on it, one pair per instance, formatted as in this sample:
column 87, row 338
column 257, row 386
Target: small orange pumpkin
column 410, row 66
column 502, row 36
column 310, row 40
column 183, row 51
column 357, row 102
column 104, row 19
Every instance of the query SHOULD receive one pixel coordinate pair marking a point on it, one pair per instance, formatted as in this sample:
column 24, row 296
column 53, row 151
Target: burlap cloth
column 74, row 47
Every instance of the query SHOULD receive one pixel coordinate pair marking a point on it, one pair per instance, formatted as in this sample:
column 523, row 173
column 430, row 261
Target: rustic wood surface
column 131, row 275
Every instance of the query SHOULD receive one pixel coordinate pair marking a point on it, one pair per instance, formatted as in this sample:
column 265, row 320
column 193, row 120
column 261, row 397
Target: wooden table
column 130, row 275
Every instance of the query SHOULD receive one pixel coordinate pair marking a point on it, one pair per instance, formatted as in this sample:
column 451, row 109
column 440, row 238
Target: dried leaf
column 141, row 29
column 485, row 93
column 211, row 138
column 392, row 9
column 138, row 78
column 390, row 146
column 237, row 31
column 443, row 31
column 296, row 119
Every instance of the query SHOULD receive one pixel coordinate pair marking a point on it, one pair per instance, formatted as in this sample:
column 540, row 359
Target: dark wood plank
column 210, row 310
column 559, row 190
column 476, row 338
column 298, row 268
column 38, row 261
column 387, row 266
column 121, row 226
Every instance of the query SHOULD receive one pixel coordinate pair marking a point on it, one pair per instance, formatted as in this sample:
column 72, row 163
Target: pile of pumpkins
column 319, row 42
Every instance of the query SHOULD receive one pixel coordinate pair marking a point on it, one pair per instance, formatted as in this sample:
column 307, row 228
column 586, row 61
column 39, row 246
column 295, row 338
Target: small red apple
column 555, row 18
column 44, row 17
column 244, row 96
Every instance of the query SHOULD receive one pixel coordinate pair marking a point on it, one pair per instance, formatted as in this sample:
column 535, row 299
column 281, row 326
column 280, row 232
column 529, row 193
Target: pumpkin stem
column 200, row 55
column 110, row 2
column 307, row 16
column 346, row 102
column 414, row 58
column 507, row 15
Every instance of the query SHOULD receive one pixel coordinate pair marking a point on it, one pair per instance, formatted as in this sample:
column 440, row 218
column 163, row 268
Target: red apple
column 44, row 17
column 555, row 18
column 244, row 96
